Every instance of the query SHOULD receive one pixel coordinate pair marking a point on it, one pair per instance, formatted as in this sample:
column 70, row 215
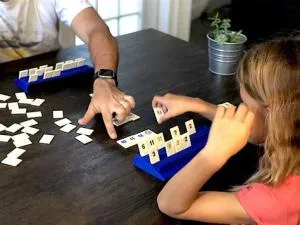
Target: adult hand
column 108, row 99
column 172, row 105
column 229, row 132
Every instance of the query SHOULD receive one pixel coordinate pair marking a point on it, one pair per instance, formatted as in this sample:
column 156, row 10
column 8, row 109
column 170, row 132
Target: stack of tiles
column 129, row 118
column 12, row 159
column 19, row 133
column 46, row 72
column 66, row 126
column 134, row 139
column 84, row 133
column 179, row 142
column 149, row 143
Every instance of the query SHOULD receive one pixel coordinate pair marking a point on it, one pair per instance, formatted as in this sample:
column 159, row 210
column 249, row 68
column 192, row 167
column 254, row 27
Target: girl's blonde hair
column 270, row 74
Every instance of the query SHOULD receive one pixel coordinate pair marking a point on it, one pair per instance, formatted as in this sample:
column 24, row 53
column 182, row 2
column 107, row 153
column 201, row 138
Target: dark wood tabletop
column 68, row 183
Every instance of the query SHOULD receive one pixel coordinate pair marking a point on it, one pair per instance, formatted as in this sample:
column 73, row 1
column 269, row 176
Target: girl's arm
column 180, row 197
column 205, row 109
column 175, row 105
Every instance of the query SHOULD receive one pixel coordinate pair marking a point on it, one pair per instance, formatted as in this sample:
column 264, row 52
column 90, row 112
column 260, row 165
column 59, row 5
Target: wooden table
column 69, row 183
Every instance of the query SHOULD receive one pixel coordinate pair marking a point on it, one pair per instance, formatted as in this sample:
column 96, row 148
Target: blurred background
column 188, row 19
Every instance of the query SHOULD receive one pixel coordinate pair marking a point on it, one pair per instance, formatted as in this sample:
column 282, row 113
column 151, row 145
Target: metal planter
column 224, row 58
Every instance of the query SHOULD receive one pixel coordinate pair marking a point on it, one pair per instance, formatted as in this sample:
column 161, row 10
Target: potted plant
column 225, row 47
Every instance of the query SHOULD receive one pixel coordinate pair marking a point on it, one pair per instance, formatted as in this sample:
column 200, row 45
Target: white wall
column 170, row 16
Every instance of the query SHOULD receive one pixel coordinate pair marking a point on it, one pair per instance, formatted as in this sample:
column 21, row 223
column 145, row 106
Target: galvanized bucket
column 224, row 58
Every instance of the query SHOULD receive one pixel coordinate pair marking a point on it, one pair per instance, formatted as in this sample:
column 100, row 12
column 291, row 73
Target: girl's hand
column 172, row 105
column 229, row 132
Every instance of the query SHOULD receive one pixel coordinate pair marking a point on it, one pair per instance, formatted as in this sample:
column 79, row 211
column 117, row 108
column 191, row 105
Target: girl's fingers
column 230, row 111
column 241, row 113
column 220, row 112
column 165, row 109
column 157, row 100
column 159, row 105
column 164, row 117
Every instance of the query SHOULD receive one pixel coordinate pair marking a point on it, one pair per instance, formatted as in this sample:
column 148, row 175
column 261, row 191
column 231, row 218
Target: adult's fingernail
column 113, row 136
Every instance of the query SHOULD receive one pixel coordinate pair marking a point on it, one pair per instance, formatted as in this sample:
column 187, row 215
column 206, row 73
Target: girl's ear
column 267, row 109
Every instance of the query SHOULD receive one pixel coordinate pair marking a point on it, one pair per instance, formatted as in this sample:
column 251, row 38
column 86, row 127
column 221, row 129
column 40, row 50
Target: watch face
column 106, row 73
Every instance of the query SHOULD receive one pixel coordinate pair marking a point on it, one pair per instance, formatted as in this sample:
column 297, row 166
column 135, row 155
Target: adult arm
column 107, row 98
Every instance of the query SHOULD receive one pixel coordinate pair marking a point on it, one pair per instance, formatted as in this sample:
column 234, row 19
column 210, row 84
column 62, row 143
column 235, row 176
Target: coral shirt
column 273, row 205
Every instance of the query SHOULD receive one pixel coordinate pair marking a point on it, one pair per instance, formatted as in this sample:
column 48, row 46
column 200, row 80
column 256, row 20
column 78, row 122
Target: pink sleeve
column 262, row 204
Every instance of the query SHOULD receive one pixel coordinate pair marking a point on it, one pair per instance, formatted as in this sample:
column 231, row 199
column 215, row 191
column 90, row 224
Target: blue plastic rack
column 169, row 166
column 26, row 86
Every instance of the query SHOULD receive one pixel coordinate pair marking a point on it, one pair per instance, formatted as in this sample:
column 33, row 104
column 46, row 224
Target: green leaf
column 236, row 37
column 215, row 17
column 221, row 38
column 221, row 32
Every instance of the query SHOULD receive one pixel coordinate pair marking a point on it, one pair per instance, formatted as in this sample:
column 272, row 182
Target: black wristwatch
column 106, row 74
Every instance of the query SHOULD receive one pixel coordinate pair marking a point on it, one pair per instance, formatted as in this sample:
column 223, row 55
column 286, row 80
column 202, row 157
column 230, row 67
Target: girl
column 269, row 78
